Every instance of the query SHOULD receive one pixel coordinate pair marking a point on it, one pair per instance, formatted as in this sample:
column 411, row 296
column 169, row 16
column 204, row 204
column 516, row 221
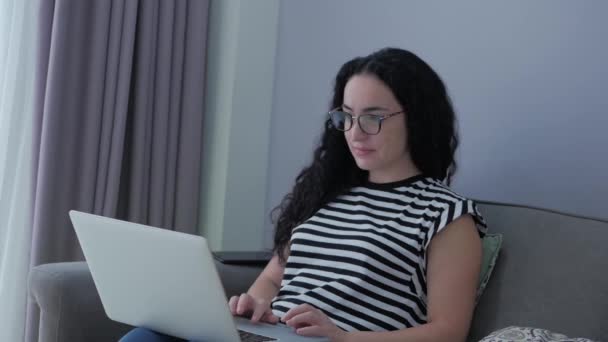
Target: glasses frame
column 379, row 118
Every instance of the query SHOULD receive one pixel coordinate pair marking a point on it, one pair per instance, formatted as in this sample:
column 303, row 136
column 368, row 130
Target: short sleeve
column 452, row 210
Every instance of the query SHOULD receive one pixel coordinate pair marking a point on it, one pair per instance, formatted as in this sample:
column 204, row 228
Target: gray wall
column 528, row 80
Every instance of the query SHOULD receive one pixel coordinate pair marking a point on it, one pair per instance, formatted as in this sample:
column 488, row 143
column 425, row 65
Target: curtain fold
column 168, row 64
column 117, row 119
column 17, row 59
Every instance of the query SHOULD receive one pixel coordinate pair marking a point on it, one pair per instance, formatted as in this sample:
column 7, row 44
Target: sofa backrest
column 552, row 273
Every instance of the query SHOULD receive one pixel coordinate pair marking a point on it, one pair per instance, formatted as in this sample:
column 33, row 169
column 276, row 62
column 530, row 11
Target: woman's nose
column 356, row 132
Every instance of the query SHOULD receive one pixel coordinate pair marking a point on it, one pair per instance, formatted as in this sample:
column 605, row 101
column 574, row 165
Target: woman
column 371, row 244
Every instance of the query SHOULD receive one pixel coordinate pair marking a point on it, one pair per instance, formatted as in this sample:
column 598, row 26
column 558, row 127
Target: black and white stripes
column 361, row 258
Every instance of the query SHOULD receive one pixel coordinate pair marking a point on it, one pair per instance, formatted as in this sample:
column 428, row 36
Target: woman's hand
column 259, row 309
column 310, row 321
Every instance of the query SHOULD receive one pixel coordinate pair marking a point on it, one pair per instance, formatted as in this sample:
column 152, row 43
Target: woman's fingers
column 312, row 330
column 269, row 317
column 245, row 304
column 296, row 311
column 232, row 304
column 310, row 321
column 303, row 319
column 258, row 312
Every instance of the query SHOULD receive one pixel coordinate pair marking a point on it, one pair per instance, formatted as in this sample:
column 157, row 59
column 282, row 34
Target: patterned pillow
column 491, row 246
column 514, row 334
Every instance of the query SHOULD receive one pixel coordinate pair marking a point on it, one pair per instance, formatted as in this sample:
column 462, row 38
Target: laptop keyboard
column 251, row 337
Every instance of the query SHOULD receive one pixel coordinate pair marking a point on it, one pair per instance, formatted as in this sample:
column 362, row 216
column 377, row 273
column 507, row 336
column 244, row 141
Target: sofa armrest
column 70, row 308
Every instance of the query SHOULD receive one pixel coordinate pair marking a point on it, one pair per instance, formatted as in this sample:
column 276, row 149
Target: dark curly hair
column 432, row 137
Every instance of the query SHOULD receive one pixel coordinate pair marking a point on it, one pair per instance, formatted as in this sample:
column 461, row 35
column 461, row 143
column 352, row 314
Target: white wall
column 528, row 79
column 238, row 95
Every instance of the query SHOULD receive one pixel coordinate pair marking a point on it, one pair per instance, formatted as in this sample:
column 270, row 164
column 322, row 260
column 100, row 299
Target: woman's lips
column 361, row 152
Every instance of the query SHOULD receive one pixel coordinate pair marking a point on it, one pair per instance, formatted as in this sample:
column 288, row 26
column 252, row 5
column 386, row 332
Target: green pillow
column 491, row 247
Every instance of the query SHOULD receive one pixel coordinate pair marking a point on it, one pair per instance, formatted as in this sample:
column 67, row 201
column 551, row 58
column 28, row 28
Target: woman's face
column 384, row 155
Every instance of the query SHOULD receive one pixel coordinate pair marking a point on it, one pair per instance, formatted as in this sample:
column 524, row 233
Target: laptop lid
column 155, row 278
column 163, row 280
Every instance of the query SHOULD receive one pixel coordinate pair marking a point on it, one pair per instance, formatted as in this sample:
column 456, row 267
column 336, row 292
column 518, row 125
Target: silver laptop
column 165, row 281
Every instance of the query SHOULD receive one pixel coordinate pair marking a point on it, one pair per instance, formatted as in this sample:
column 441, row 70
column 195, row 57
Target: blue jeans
column 146, row 335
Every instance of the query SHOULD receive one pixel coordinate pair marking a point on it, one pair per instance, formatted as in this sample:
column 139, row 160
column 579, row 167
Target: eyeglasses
column 369, row 123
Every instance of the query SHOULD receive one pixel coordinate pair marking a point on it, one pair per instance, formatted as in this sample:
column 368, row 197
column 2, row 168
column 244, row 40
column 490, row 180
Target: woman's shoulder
column 437, row 189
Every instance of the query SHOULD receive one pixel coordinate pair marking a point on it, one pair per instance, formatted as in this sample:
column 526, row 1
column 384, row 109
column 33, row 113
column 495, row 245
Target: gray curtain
column 118, row 118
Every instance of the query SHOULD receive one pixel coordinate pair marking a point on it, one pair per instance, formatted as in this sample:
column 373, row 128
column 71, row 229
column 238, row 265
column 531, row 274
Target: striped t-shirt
column 361, row 258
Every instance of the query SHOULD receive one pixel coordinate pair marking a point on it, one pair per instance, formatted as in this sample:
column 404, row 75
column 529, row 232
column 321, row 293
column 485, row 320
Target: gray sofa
column 552, row 273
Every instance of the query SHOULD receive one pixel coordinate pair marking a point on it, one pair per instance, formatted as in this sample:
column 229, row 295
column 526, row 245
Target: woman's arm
column 454, row 262
column 257, row 299
column 268, row 283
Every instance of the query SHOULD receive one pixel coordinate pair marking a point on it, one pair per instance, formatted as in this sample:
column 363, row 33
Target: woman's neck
column 400, row 171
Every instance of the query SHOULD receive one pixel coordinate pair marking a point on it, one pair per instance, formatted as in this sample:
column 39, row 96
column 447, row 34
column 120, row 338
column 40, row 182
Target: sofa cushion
column 514, row 334
column 550, row 273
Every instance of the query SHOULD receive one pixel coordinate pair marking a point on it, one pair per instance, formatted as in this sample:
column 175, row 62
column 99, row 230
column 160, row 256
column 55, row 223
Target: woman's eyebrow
column 367, row 109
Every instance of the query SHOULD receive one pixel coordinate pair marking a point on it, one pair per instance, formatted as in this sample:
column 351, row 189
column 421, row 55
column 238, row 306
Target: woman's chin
column 365, row 165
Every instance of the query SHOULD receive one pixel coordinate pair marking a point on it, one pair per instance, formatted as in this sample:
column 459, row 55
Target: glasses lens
column 341, row 121
column 370, row 124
